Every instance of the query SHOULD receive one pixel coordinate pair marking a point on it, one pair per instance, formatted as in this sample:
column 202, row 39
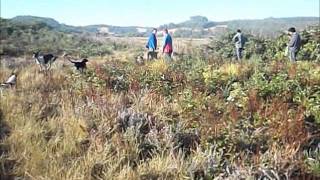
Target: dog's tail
column 66, row 56
column 70, row 60
column 54, row 58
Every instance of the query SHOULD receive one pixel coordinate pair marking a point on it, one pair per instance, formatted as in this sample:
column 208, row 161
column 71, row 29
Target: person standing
column 294, row 44
column 167, row 48
column 239, row 41
column 152, row 45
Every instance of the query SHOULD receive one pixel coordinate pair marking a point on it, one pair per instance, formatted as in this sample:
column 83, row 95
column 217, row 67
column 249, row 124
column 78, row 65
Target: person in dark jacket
column 294, row 44
column 239, row 41
column 152, row 45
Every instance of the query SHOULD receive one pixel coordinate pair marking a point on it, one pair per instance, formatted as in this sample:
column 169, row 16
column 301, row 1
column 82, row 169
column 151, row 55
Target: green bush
column 268, row 49
column 20, row 39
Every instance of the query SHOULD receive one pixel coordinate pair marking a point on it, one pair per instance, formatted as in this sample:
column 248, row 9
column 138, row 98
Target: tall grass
column 64, row 125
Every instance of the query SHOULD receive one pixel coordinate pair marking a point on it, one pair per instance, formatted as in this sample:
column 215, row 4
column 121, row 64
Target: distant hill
column 197, row 22
column 33, row 20
column 117, row 30
column 23, row 36
column 272, row 26
column 96, row 29
column 196, row 26
column 200, row 26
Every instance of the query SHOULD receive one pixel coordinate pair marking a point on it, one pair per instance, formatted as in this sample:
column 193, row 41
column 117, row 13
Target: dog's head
column 35, row 54
column 139, row 60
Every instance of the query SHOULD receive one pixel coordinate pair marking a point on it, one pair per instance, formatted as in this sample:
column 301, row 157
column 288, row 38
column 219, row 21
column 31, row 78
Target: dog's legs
column 43, row 67
column 49, row 66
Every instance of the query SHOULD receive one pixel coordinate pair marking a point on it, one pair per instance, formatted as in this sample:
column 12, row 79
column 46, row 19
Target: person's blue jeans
column 293, row 55
column 239, row 53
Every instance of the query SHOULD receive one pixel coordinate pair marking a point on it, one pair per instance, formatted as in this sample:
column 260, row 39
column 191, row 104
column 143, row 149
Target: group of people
column 167, row 48
column 292, row 48
column 239, row 40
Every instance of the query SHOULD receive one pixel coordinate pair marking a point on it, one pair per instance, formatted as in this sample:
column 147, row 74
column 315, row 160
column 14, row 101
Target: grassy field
column 187, row 119
column 180, row 45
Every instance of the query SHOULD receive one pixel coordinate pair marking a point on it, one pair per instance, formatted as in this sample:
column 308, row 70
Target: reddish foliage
column 292, row 71
column 253, row 102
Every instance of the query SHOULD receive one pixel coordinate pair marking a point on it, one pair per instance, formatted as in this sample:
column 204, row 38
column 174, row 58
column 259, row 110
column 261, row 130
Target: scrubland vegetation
column 201, row 116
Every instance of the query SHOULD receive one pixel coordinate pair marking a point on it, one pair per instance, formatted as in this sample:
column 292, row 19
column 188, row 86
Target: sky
column 153, row 13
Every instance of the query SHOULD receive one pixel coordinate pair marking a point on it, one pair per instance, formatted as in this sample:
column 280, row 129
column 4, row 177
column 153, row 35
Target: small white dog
column 12, row 81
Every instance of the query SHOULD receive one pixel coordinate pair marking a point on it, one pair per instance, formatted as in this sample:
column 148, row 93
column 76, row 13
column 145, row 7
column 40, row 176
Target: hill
column 33, row 20
column 272, row 27
column 98, row 29
column 22, row 36
column 196, row 26
column 199, row 26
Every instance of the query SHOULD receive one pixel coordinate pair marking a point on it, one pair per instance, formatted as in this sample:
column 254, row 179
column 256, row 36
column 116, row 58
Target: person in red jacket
column 167, row 48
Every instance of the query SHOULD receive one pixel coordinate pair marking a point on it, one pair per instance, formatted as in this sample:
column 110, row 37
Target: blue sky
column 155, row 13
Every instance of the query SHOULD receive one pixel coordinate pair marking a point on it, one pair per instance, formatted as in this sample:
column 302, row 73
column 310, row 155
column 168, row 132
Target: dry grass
column 64, row 127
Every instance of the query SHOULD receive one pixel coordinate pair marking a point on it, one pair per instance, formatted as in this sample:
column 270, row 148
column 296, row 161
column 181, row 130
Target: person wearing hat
column 294, row 44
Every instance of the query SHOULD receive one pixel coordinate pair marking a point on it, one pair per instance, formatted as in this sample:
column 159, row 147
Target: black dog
column 80, row 64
